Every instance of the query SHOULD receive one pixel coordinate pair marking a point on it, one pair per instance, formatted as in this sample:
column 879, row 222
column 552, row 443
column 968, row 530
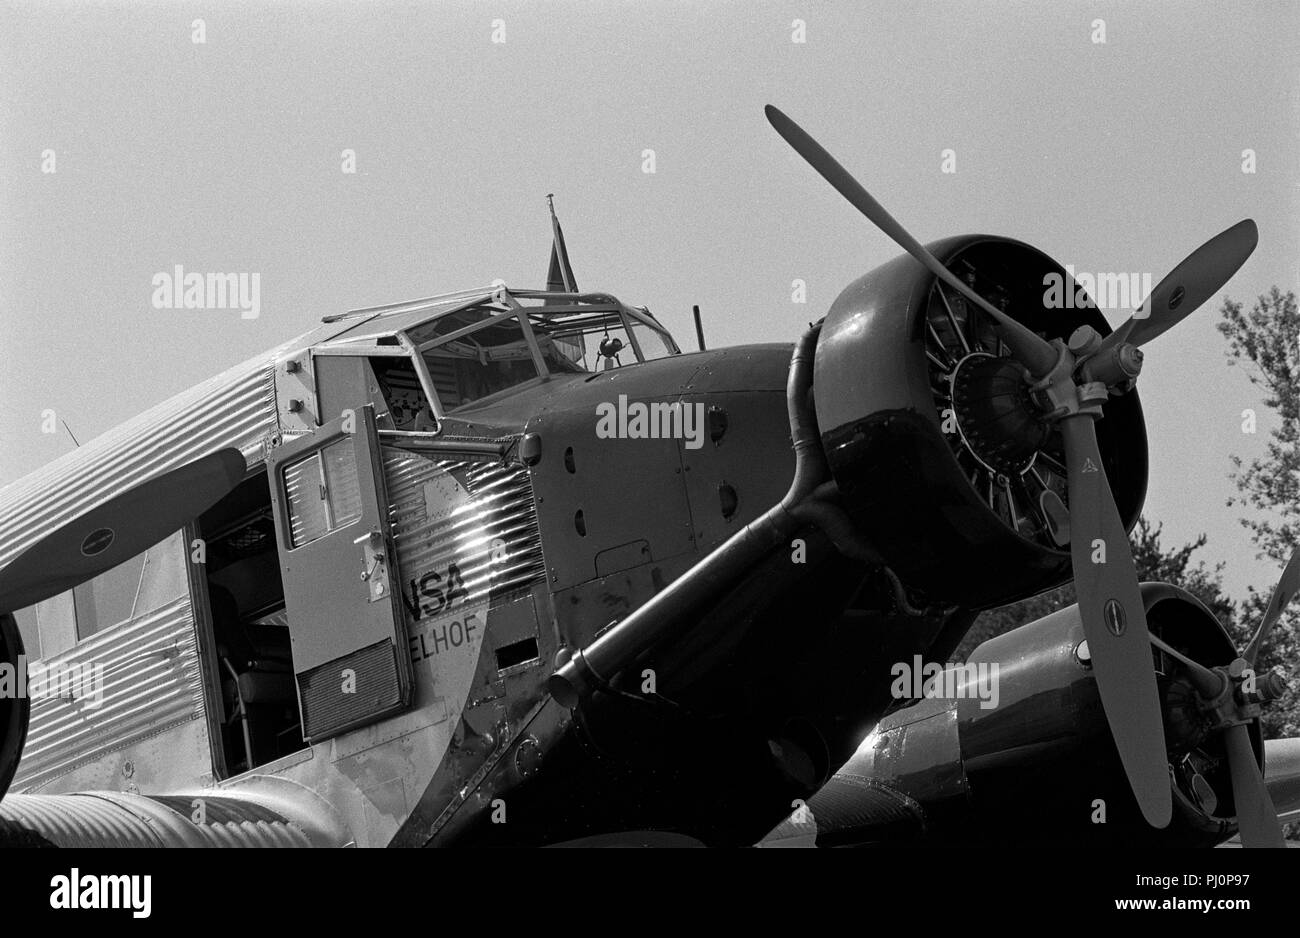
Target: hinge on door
column 374, row 560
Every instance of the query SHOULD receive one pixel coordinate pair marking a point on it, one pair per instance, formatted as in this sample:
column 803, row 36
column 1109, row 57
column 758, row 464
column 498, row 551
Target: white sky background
column 226, row 157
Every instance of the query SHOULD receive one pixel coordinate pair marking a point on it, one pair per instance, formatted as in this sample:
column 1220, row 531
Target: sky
column 227, row 155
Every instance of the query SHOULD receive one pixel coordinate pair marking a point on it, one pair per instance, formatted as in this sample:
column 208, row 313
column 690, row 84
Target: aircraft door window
column 322, row 493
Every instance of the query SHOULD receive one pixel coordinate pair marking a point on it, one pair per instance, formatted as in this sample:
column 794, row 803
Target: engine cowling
column 1040, row 766
column 929, row 432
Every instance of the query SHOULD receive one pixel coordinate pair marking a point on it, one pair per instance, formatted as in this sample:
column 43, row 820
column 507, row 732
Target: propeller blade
column 1114, row 622
column 1034, row 352
column 118, row 530
column 1200, row 275
column 1287, row 586
column 1256, row 817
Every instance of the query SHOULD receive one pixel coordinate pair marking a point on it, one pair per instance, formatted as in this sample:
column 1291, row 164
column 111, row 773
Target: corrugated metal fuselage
column 598, row 526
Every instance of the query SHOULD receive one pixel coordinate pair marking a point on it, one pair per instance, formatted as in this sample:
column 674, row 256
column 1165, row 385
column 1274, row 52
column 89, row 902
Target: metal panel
column 598, row 494
column 448, row 511
column 151, row 681
column 752, row 430
column 295, row 391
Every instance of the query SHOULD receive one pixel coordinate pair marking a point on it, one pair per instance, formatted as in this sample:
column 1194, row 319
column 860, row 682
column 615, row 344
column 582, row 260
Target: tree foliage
column 1265, row 341
column 1153, row 562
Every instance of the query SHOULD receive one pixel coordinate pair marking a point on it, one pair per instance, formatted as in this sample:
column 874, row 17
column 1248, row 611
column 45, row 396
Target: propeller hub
column 1236, row 699
column 995, row 413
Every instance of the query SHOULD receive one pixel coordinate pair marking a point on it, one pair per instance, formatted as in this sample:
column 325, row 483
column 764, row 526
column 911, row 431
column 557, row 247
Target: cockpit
column 452, row 353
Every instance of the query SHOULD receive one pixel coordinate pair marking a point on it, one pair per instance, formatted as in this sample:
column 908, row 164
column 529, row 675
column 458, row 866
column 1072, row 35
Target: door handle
column 374, row 564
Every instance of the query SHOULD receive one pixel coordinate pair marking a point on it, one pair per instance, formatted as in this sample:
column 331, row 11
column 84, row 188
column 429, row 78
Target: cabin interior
column 258, row 720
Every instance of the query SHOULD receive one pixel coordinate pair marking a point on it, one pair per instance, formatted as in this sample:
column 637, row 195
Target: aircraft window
column 407, row 407
column 56, row 618
column 322, row 492
column 134, row 587
column 653, row 345
column 594, row 342
column 492, row 359
column 341, row 483
column 563, row 354
column 28, row 629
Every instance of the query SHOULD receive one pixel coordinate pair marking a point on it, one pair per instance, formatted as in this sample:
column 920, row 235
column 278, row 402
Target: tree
column 1266, row 341
column 1153, row 562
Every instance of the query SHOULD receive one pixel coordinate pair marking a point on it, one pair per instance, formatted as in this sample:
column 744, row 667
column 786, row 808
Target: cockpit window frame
column 504, row 304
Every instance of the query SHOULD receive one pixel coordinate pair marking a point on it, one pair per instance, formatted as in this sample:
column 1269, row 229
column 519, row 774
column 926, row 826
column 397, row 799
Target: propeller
column 1287, row 586
column 1113, row 615
column 1256, row 816
column 1114, row 622
column 1033, row 351
column 118, row 530
column 1184, row 289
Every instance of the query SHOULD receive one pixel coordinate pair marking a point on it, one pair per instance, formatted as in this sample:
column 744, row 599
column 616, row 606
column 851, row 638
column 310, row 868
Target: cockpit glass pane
column 593, row 341
column 571, row 344
column 473, row 366
column 653, row 345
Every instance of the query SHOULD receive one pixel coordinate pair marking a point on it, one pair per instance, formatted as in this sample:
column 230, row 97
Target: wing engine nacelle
column 1016, row 749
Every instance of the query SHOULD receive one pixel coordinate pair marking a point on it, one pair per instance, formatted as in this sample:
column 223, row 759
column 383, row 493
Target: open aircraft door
column 338, row 563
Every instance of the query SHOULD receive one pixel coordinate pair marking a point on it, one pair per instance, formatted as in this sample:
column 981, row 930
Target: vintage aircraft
column 507, row 567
